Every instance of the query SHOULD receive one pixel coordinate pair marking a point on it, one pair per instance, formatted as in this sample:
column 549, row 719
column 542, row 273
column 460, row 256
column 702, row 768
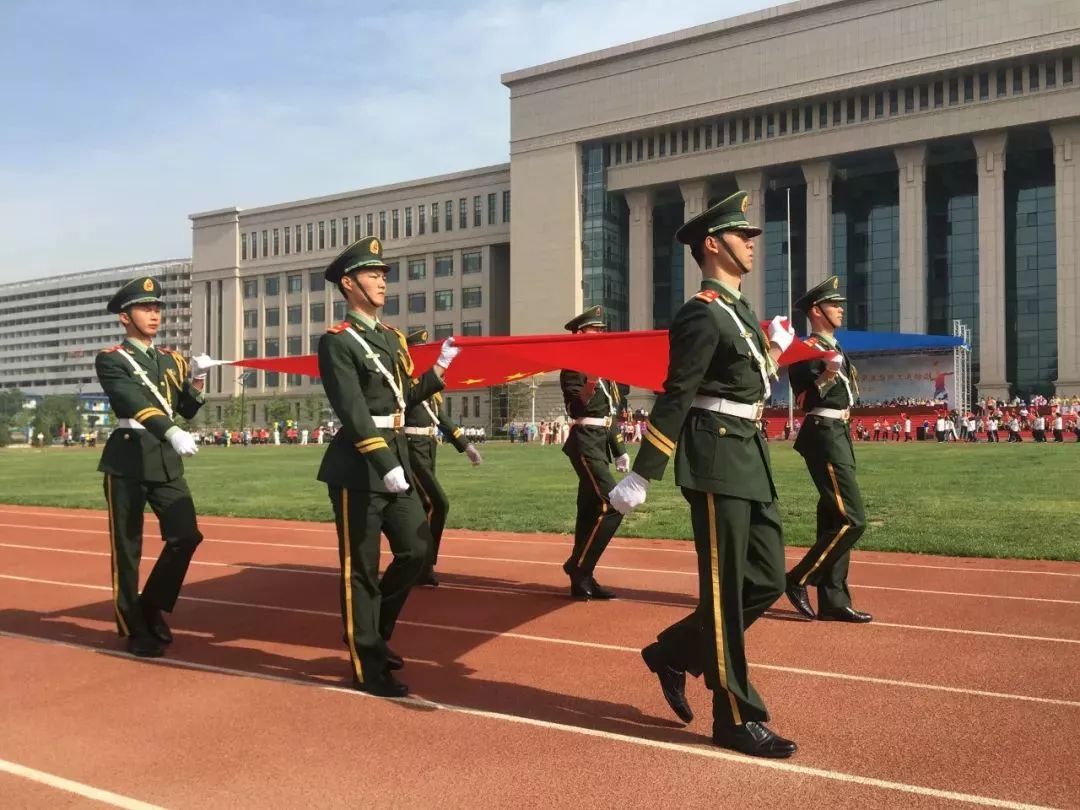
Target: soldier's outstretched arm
column 453, row 433
column 129, row 398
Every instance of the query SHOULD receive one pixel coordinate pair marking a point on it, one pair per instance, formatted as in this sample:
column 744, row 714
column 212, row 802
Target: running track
column 965, row 690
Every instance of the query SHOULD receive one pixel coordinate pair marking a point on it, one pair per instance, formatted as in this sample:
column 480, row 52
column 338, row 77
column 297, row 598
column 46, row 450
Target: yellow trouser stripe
column 346, row 573
column 651, row 428
column 839, row 534
column 115, row 566
column 429, row 504
column 718, row 610
column 662, row 448
column 599, row 518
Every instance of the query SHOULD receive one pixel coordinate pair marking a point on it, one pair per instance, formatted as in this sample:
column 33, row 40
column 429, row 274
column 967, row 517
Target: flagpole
column 791, row 317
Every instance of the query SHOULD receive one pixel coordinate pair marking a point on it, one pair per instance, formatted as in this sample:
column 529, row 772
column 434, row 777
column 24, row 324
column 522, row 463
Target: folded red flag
column 635, row 358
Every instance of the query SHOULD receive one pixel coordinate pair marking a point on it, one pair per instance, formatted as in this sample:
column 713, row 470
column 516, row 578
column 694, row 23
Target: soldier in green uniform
column 366, row 372
column 148, row 387
column 422, row 421
column 594, row 442
column 718, row 381
column 825, row 390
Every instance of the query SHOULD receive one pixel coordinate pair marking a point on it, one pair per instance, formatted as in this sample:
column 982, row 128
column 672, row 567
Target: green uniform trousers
column 597, row 520
column 370, row 606
column 841, row 521
column 740, row 555
column 432, row 496
column 171, row 502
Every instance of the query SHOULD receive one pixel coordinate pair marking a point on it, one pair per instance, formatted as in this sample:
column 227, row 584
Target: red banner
column 635, row 358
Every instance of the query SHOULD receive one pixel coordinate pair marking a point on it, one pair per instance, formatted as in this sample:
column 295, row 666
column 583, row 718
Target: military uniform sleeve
column 803, row 377
column 691, row 345
column 573, row 388
column 128, row 397
column 190, row 398
column 453, row 433
column 341, row 382
column 426, row 386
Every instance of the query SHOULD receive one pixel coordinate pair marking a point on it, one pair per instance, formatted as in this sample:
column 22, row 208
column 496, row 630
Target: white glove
column 629, row 493
column 622, row 463
column 395, row 480
column 779, row 334
column 834, row 363
column 474, row 455
column 183, row 442
column 200, row 365
column 447, row 353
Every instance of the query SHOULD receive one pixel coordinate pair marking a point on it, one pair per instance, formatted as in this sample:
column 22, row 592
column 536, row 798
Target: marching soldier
column 422, row 421
column 594, row 441
column 365, row 369
column 826, row 390
column 717, row 384
column 148, row 387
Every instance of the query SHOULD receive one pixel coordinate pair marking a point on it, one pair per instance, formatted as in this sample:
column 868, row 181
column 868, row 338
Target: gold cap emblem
column 745, row 203
column 148, row 285
column 836, row 283
column 375, row 246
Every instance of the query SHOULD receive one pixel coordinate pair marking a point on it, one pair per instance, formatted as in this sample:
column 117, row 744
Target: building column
column 819, row 180
column 640, row 202
column 911, row 169
column 753, row 286
column 695, row 194
column 1067, row 217
column 990, row 166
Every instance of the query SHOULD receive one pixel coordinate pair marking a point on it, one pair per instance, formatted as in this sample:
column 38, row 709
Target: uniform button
column 723, row 431
column 127, row 436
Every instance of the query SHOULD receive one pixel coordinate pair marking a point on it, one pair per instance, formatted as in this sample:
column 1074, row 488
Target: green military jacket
column 714, row 351
column 360, row 454
column 420, row 416
column 822, row 439
column 145, row 454
column 587, row 440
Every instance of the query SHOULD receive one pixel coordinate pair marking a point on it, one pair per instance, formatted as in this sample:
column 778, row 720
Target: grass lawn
column 966, row 500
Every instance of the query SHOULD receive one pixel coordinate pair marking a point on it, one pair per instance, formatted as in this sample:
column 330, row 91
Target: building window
column 294, row 315
column 317, row 312
column 808, row 119
column 243, row 248
column 271, row 378
column 1002, row 83
column 251, row 288
column 272, row 285
column 1051, row 73
column 476, row 405
column 370, row 229
column 836, row 105
column 294, row 283
column 313, row 343
column 382, row 225
column 394, row 232
column 984, row 86
column 464, row 407
column 463, row 213
column 271, row 347
column 1033, row 81
column 649, row 147
column 251, row 318
column 443, row 331
column 421, row 219
column 339, row 310
column 708, row 136
column 273, row 316
column 471, row 297
column 434, row 217
column 333, row 233
column 444, row 266
column 471, row 262
column 392, row 305
column 1066, row 70
column 909, row 99
column 310, row 237
column 417, row 269
column 288, row 240
column 879, row 104
column 344, row 231
column 939, row 94
column 295, row 379
column 477, row 211
column 356, row 227
column 638, row 149
column 471, row 329
column 251, row 348
column 969, row 88
column 954, row 90
column 316, row 281
column 296, row 233
column 850, row 119
column 492, row 203
column 293, row 345
column 322, row 235
column 894, row 101
column 444, row 300
column 506, row 206
column 277, row 242
column 393, row 272
column 254, row 245
column 265, row 244
column 449, row 210
column 924, row 96
column 408, row 222
column 417, row 302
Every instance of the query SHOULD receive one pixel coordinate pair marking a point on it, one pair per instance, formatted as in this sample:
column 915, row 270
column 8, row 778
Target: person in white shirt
column 907, row 428
column 304, row 434
column 1059, row 428
column 939, row 428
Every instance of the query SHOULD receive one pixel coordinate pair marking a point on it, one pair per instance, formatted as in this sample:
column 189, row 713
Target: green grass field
column 982, row 500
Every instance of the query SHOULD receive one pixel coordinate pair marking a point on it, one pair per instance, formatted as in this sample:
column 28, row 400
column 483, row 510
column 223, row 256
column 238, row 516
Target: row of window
column 471, row 298
column 919, row 96
column 472, row 262
column 63, row 296
column 294, row 343
column 324, row 234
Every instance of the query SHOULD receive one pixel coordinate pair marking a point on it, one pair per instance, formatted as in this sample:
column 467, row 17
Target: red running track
column 964, row 690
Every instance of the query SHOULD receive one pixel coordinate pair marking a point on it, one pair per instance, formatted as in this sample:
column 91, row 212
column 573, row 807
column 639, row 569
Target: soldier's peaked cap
column 142, row 290
column 362, row 253
column 727, row 215
column 593, row 316
column 826, row 292
column 417, row 337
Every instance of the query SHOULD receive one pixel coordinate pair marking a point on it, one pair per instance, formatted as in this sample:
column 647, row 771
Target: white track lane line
column 69, row 785
column 592, row 645
column 709, row 752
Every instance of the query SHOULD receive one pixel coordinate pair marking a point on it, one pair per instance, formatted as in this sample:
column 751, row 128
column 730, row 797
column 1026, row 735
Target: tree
column 11, row 406
column 314, row 406
column 278, row 409
column 55, row 411
column 231, row 413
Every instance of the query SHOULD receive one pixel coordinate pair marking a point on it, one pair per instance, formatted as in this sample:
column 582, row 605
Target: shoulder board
column 115, row 348
column 164, row 350
column 812, row 341
column 338, row 328
column 708, row 296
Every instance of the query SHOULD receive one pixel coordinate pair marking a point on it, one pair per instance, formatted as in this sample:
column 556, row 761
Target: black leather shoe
column 155, row 622
column 581, row 589
column 393, row 660
column 385, row 685
column 599, row 591
column 145, row 646
column 845, row 614
column 672, row 682
column 799, row 598
column 754, row 739
column 428, row 578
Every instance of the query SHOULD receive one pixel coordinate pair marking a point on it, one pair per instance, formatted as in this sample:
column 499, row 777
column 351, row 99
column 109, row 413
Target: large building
column 258, row 287
column 51, row 329
column 930, row 148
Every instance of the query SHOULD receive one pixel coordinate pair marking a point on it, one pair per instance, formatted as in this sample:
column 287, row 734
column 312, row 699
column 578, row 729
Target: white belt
column 743, row 410
column 130, row 424
column 832, row 413
column 421, row 431
column 391, row 421
column 593, row 421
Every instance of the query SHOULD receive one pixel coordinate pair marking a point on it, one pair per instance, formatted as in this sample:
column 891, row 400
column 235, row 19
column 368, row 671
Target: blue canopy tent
column 895, row 342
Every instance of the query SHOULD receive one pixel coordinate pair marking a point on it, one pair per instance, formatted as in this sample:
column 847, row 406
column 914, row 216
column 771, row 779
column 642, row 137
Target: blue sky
column 120, row 118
